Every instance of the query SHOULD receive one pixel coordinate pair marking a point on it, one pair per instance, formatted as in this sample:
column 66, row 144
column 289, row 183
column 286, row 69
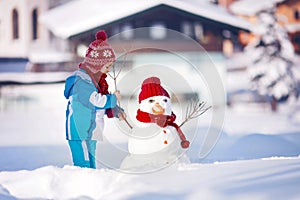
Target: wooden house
column 208, row 24
column 34, row 34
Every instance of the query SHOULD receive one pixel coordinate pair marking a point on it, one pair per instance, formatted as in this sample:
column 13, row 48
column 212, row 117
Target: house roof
column 79, row 16
column 251, row 7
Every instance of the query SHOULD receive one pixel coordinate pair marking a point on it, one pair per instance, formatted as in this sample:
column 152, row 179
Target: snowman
column 157, row 141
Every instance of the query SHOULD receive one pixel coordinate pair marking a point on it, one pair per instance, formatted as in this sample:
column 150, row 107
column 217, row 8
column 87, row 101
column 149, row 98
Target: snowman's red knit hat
column 151, row 87
column 99, row 53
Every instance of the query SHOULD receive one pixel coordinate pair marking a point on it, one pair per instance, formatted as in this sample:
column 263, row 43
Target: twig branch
column 114, row 77
column 194, row 109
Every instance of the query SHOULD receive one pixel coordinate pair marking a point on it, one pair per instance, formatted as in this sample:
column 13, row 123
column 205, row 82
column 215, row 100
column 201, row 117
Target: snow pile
column 273, row 178
column 66, row 183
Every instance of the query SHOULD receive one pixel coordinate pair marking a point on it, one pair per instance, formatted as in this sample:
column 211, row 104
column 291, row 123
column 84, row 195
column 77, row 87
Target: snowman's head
column 153, row 98
column 156, row 105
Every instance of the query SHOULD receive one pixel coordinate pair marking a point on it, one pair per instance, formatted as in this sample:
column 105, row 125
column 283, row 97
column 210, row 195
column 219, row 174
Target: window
column 116, row 31
column 15, row 24
column 297, row 15
column 126, row 31
column 81, row 50
column 214, row 1
column 186, row 28
column 226, row 34
column 158, row 31
column 199, row 31
column 34, row 19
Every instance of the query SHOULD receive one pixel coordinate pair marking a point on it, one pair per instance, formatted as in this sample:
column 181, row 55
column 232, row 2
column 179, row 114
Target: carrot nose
column 158, row 109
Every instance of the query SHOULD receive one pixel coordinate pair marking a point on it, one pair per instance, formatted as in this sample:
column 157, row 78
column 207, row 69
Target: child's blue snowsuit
column 84, row 102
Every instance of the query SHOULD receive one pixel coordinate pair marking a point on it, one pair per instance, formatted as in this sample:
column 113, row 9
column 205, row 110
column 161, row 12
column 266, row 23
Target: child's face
column 106, row 68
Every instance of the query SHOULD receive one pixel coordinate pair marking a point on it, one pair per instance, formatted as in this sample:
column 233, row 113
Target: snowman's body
column 151, row 146
column 153, row 153
column 149, row 140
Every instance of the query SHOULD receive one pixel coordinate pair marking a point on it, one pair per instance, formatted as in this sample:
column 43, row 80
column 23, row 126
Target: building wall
column 20, row 47
column 289, row 16
column 289, row 12
column 225, row 3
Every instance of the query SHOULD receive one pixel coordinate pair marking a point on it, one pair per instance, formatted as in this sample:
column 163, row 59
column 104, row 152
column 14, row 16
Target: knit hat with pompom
column 99, row 53
column 152, row 87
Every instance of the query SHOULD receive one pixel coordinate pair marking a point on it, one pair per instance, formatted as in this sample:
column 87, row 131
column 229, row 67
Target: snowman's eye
column 165, row 100
column 151, row 100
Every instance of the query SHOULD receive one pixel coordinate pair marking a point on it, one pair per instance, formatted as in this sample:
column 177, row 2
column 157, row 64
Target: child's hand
column 122, row 115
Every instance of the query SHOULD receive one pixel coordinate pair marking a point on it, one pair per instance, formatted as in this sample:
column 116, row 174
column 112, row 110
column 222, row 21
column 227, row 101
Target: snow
column 256, row 157
column 254, row 179
column 251, row 7
column 49, row 56
column 293, row 27
column 94, row 14
column 33, row 77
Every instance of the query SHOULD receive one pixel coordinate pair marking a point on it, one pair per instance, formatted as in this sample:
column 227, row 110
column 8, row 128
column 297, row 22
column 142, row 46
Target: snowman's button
column 165, row 142
column 165, row 132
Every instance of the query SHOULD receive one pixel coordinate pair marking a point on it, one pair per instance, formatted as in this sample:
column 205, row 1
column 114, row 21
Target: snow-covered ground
column 256, row 156
column 252, row 179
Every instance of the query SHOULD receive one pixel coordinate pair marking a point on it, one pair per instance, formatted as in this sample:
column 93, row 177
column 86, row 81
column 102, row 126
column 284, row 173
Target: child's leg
column 77, row 150
column 91, row 146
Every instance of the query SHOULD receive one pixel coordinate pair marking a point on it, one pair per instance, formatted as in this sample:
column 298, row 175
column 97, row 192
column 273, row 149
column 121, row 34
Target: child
column 88, row 100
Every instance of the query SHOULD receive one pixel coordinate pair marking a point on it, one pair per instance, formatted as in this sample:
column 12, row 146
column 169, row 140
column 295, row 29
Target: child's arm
column 103, row 101
column 86, row 94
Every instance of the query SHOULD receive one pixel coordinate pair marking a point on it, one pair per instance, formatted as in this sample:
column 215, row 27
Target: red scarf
column 163, row 121
column 100, row 83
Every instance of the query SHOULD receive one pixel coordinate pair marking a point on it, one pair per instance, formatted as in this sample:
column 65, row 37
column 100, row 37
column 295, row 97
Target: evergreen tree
column 273, row 67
